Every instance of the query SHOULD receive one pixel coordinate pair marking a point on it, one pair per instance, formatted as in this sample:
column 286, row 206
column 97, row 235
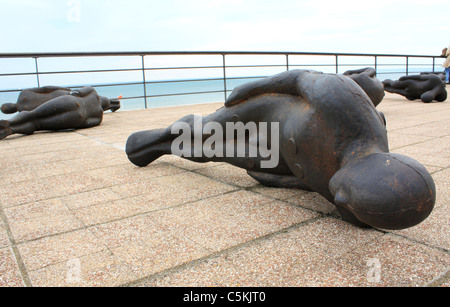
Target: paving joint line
column 13, row 245
column 440, row 280
column 213, row 255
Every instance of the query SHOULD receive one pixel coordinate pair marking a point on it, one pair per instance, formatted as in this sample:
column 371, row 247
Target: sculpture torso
column 320, row 130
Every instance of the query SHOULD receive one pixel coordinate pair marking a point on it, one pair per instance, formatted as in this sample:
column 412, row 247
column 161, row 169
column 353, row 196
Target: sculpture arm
column 283, row 83
column 369, row 71
column 84, row 91
column 49, row 89
column 415, row 77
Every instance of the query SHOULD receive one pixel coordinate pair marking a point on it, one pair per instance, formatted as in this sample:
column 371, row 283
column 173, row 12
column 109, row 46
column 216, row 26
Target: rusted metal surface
column 332, row 140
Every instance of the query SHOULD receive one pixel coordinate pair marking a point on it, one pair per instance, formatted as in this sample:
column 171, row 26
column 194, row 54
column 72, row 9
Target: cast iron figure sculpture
column 366, row 79
column 424, row 87
column 30, row 99
column 78, row 109
column 331, row 140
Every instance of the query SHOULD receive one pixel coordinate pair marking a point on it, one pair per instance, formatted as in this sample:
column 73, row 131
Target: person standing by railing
column 446, row 65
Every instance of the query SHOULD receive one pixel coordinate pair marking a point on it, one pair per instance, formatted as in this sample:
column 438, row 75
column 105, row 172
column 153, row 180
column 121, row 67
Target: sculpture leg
column 57, row 114
column 435, row 94
column 236, row 147
column 115, row 105
column 9, row 108
column 146, row 146
column 5, row 130
column 22, row 123
column 109, row 104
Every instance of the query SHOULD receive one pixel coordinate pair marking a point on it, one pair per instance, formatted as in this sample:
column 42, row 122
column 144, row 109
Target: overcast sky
column 379, row 26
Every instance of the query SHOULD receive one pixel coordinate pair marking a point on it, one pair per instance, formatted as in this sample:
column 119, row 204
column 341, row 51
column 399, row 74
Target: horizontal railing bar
column 391, row 73
column 256, row 66
column 132, row 69
column 187, row 93
column 18, row 74
column 403, row 64
column 145, row 53
column 87, row 71
column 137, row 97
column 195, row 67
column 148, row 96
column 177, row 94
column 148, row 82
column 10, row 91
column 183, row 67
column 200, row 80
column 70, row 72
column 199, row 67
column 216, row 67
column 327, row 65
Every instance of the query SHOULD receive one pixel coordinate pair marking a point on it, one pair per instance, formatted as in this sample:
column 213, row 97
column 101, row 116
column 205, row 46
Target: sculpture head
column 9, row 108
column 385, row 190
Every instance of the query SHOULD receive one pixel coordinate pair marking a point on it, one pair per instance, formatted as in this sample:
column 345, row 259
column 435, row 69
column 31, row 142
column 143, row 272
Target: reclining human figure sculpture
column 331, row 140
column 425, row 87
column 78, row 109
column 30, row 99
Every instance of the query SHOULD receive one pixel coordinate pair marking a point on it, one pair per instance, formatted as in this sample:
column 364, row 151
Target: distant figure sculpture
column 327, row 135
column 366, row 79
column 30, row 99
column 74, row 110
column 424, row 87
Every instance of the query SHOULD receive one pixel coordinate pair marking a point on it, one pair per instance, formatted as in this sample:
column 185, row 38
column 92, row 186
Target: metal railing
column 385, row 65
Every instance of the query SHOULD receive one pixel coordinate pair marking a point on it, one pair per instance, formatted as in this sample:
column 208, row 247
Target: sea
column 159, row 94
column 173, row 93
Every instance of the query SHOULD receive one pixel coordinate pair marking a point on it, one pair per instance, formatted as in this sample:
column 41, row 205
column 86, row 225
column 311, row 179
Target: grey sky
column 382, row 26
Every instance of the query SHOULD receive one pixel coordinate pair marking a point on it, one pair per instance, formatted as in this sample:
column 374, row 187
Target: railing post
column 224, row 77
column 143, row 79
column 337, row 64
column 407, row 65
column 37, row 71
column 434, row 62
column 287, row 62
column 376, row 65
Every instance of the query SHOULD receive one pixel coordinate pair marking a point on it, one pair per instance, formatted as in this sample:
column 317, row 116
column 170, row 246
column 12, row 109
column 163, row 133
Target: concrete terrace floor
column 75, row 212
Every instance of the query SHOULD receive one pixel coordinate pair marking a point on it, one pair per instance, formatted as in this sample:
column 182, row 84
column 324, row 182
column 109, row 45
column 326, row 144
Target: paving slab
column 75, row 212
